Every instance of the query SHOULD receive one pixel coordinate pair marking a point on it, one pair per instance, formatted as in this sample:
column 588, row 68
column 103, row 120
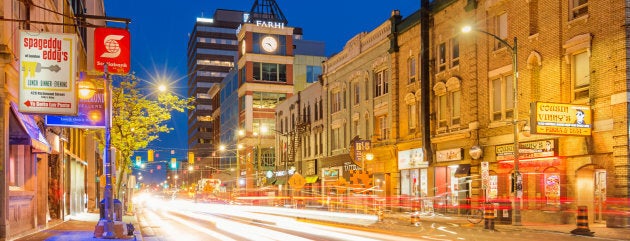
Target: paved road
column 192, row 221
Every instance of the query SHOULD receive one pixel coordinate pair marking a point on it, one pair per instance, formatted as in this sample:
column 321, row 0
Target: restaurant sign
column 561, row 119
column 527, row 150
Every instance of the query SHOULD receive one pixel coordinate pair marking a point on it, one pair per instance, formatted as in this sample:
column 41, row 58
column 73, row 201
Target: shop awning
column 463, row 170
column 311, row 179
column 23, row 130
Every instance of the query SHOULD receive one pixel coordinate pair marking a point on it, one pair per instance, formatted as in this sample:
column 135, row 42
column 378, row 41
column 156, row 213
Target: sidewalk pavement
column 79, row 228
column 600, row 230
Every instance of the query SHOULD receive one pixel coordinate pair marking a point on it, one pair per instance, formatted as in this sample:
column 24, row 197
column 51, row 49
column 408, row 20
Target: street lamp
column 517, row 176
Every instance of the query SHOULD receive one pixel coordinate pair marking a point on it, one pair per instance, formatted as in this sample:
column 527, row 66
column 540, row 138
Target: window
column 312, row 73
column 533, row 17
column 578, row 8
column 412, row 116
column 454, row 52
column 335, row 102
column 448, row 104
column 412, row 70
column 381, row 83
column 270, row 72
column 456, row 110
column 442, row 111
column 502, row 107
column 266, row 100
column 580, row 74
column 441, row 57
column 500, row 30
column 355, row 129
column 383, row 127
column 335, row 141
column 357, row 93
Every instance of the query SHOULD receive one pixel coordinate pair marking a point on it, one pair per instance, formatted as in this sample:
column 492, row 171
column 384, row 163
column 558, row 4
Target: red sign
column 112, row 46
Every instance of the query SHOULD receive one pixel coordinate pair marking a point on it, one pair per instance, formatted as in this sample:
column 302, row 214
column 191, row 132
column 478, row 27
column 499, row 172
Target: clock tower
column 265, row 78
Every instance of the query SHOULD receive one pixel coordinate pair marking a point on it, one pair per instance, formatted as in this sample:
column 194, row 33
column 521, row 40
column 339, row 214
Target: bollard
column 582, row 223
column 488, row 217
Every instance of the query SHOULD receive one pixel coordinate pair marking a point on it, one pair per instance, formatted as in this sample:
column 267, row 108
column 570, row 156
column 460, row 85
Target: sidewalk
column 600, row 229
column 79, row 228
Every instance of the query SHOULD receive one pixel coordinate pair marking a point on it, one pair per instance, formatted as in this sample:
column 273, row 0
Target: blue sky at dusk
column 159, row 35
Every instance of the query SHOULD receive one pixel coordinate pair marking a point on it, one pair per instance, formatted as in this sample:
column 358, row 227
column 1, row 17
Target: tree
column 138, row 120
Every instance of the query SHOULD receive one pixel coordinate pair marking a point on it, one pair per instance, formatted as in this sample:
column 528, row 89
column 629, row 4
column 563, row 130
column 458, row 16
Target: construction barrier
column 582, row 223
column 488, row 217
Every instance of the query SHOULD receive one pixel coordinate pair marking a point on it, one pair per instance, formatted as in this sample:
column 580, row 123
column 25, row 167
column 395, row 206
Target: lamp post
column 517, row 176
column 108, row 228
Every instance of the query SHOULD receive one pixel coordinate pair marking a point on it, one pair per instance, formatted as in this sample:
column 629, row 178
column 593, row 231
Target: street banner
column 48, row 69
column 112, row 46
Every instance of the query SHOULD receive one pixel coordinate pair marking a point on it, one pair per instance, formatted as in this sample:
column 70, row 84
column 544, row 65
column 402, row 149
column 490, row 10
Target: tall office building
column 212, row 53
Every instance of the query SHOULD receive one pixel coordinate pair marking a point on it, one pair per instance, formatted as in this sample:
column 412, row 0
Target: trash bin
column 117, row 210
column 504, row 214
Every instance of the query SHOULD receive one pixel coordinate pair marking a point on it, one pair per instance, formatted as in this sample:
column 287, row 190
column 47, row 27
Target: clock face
column 243, row 47
column 269, row 44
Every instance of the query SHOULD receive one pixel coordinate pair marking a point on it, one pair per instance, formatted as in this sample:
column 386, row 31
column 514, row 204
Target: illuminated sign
column 112, row 47
column 91, row 114
column 413, row 158
column 48, row 69
column 527, row 150
column 449, row 155
column 561, row 119
column 269, row 24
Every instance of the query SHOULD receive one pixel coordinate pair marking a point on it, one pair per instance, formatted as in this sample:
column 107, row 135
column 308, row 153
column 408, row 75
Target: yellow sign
column 561, row 119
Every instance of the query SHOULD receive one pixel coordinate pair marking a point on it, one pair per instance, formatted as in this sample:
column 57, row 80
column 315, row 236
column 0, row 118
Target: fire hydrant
column 380, row 214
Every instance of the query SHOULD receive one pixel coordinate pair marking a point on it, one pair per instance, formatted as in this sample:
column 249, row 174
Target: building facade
column 44, row 167
column 359, row 107
column 564, row 73
column 212, row 54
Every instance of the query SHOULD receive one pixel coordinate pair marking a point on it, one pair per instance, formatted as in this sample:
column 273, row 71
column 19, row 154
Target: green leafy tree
column 138, row 119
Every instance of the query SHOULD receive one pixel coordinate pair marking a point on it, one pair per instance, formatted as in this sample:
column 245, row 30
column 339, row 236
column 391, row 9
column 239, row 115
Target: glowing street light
column 517, row 176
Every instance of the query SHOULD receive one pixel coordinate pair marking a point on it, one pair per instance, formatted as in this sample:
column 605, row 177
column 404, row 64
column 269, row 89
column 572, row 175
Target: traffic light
column 150, row 155
column 191, row 157
column 173, row 163
column 138, row 161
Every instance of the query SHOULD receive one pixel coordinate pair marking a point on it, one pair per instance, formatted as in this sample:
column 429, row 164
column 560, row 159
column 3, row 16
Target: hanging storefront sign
column 112, row 46
column 449, row 155
column 48, row 68
column 413, row 158
column 561, row 119
column 91, row 114
column 527, row 150
column 358, row 149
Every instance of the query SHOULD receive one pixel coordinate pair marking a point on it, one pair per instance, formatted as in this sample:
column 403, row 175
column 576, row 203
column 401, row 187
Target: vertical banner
column 48, row 69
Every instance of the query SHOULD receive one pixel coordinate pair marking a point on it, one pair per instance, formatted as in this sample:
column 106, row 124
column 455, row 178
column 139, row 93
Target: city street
column 186, row 220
